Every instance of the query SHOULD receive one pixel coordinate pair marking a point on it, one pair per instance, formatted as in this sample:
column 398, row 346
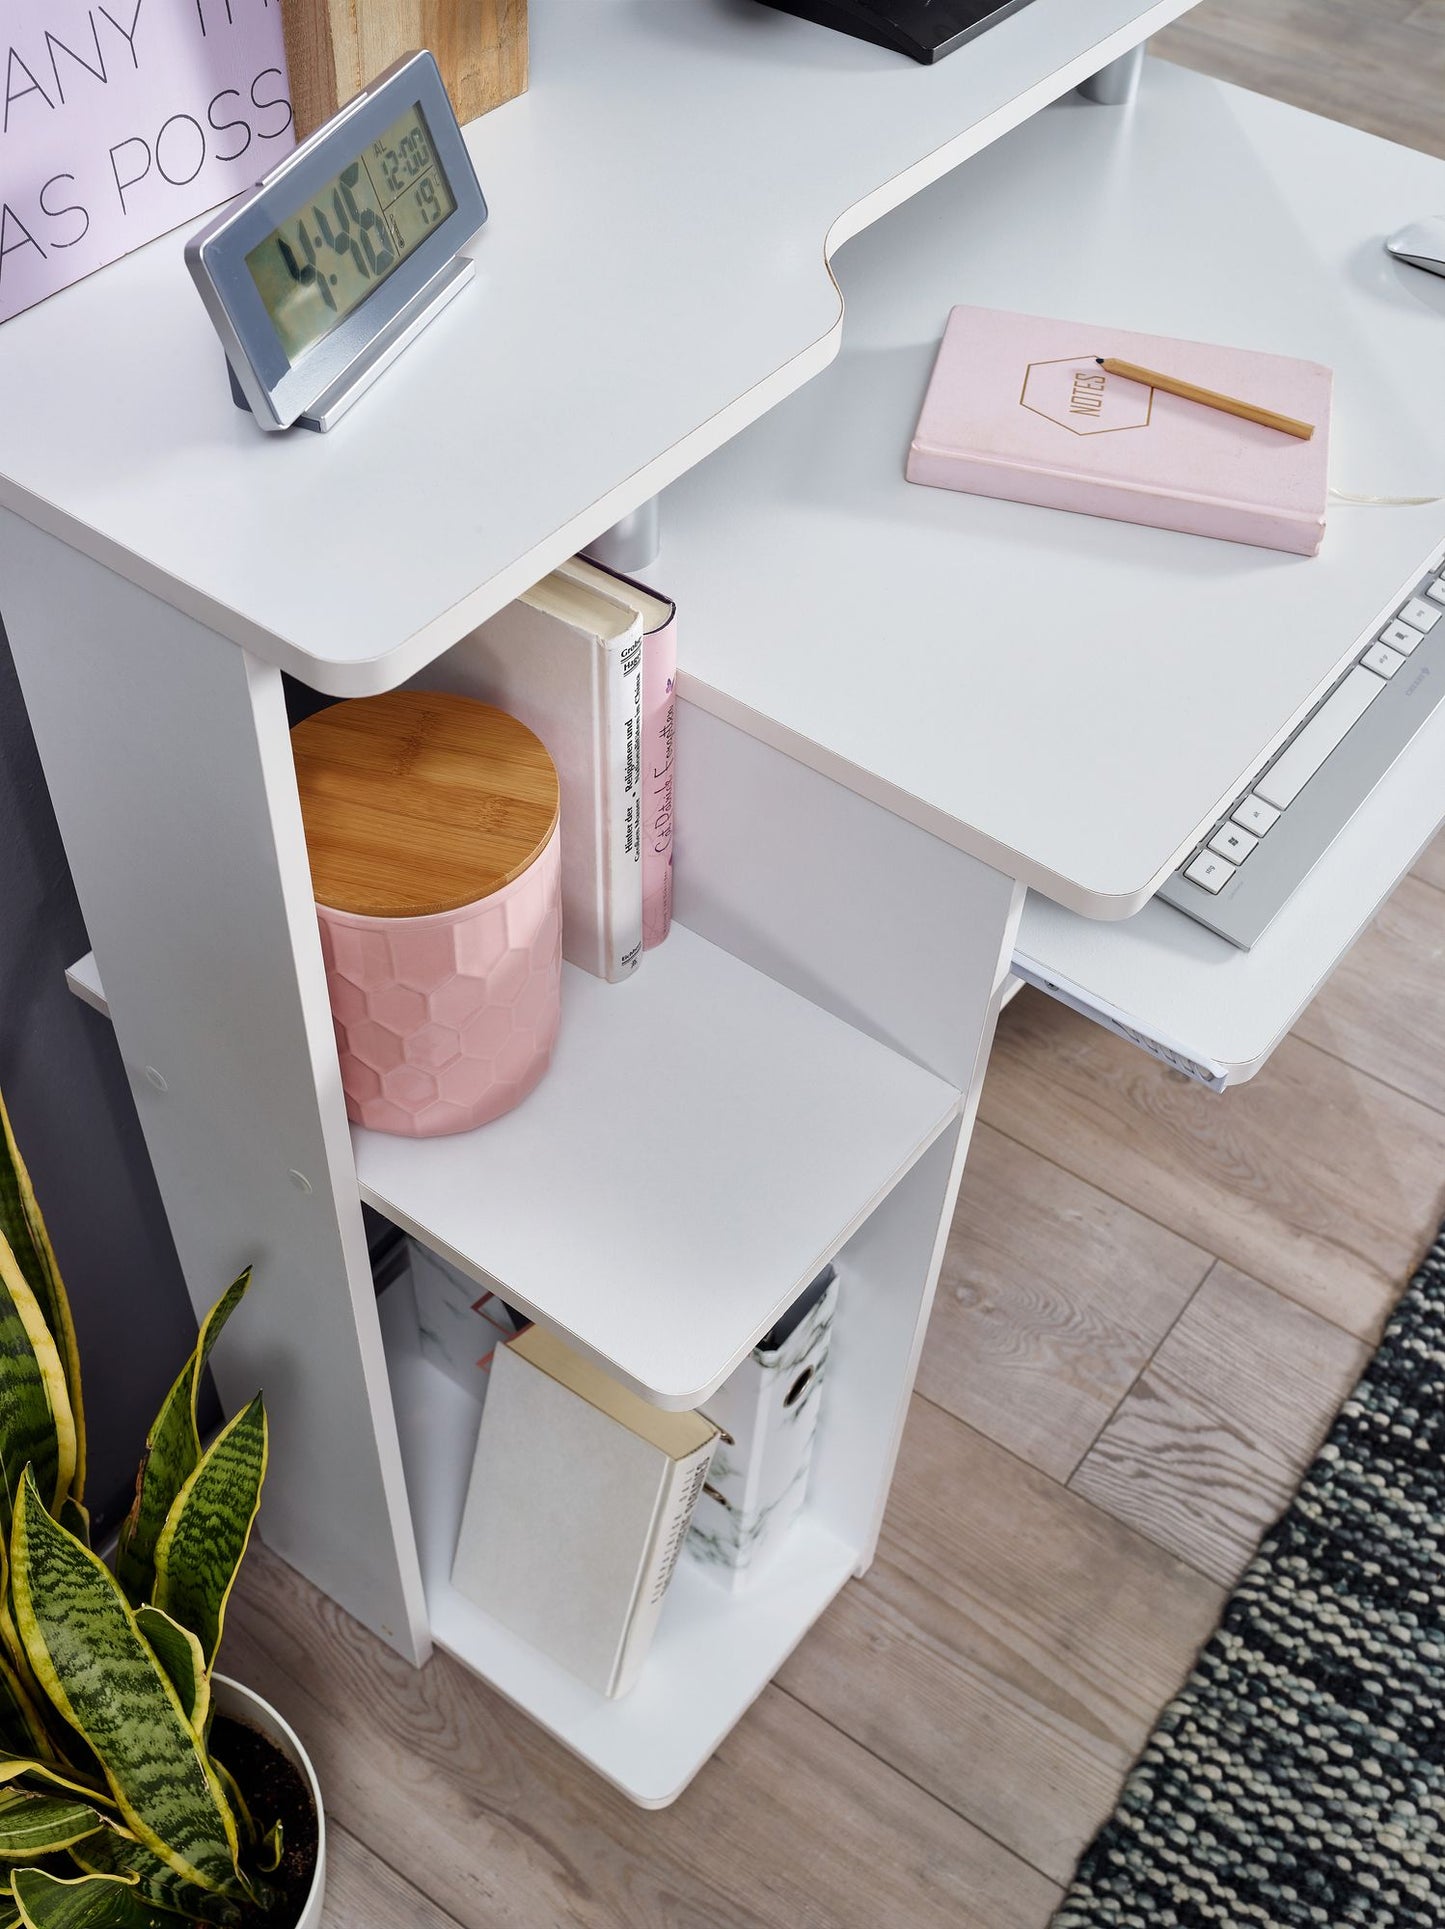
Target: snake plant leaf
column 100, row 1674
column 180, row 1654
column 110, row 1854
column 39, row 1717
column 49, row 1739
column 50, row 1744
column 239, row 1806
column 205, row 1535
column 10, row 1641
column 83, row 1902
column 22, row 1727
column 172, row 1451
column 75, row 1518
column 36, row 1425
column 272, row 1848
column 24, row 1227
column 33, row 1825
column 29, row 1768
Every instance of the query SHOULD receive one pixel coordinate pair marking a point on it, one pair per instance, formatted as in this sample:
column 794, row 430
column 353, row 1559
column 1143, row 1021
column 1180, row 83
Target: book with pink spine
column 1018, row 407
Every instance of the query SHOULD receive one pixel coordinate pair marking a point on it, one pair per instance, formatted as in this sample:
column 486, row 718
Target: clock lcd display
column 324, row 260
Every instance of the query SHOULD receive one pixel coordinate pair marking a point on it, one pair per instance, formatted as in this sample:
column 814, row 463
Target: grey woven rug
column 1299, row 1777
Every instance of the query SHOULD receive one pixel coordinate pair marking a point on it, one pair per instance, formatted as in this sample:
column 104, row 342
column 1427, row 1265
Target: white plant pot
column 231, row 1698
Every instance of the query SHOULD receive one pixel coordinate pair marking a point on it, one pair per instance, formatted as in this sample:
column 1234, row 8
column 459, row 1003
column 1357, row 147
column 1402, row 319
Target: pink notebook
column 1018, row 407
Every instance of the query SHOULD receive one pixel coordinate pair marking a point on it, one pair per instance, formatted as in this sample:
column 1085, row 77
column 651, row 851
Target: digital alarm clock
column 319, row 277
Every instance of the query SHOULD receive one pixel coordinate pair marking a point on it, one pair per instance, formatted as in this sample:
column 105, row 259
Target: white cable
column 1383, row 502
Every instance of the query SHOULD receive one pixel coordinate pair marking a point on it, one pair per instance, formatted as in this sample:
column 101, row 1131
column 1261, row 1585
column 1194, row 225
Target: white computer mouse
column 1422, row 244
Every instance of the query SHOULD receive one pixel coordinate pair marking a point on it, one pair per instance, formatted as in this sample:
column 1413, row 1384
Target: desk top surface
column 653, row 275
column 1073, row 699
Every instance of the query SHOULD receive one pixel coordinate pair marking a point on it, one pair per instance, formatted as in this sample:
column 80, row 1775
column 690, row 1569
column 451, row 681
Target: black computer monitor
column 924, row 29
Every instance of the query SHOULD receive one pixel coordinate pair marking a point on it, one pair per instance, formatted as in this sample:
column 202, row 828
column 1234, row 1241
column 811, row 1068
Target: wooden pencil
column 1207, row 397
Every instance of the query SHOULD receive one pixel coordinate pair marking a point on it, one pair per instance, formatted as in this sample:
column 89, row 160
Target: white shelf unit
column 711, row 1657
column 714, row 1651
column 788, row 1137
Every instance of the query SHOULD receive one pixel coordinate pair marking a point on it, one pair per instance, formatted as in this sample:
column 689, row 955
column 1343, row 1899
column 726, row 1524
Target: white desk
column 879, row 747
column 653, row 276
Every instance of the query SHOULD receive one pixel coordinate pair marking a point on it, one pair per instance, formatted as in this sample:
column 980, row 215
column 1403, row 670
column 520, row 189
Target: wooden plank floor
column 1377, row 64
column 1152, row 1302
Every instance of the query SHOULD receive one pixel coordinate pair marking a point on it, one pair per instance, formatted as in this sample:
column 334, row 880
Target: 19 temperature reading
column 320, row 264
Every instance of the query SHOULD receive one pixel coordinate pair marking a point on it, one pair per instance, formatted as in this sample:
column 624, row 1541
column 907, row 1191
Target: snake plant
column 113, row 1812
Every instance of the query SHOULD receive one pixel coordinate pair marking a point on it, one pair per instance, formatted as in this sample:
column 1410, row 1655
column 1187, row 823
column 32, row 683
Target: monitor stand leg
column 1118, row 83
column 632, row 544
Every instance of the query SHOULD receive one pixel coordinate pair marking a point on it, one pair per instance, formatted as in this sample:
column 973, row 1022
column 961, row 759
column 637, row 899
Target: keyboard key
column 1436, row 589
column 1419, row 614
column 1234, row 842
column 1401, row 637
column 1382, row 659
column 1210, row 871
column 1255, row 815
column 1299, row 761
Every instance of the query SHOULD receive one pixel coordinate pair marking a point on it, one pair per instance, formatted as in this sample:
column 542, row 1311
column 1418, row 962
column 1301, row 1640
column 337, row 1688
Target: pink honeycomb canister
column 446, row 1013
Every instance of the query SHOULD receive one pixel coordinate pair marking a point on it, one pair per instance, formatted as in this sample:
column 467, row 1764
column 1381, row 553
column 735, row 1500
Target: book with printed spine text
column 659, row 738
column 1019, row 407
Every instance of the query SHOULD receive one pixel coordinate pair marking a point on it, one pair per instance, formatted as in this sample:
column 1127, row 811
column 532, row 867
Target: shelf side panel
column 909, row 940
column 887, row 1274
column 167, row 756
column 854, row 908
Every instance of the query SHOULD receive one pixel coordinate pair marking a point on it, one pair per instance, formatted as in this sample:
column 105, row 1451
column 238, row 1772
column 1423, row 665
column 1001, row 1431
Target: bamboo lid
column 417, row 802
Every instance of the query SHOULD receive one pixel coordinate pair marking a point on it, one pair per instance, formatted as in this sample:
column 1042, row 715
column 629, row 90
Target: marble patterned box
column 460, row 1323
column 766, row 1414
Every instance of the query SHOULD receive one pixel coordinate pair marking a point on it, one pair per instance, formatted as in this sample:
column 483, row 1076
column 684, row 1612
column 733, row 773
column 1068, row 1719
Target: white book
column 567, row 660
column 580, row 1500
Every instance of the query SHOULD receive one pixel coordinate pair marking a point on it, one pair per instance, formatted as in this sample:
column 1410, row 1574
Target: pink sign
column 126, row 118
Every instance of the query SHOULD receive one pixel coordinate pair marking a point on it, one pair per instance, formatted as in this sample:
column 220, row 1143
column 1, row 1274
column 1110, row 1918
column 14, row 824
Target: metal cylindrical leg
column 1118, row 83
column 633, row 543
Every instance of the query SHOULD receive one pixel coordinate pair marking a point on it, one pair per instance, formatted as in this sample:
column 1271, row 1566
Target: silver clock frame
column 322, row 384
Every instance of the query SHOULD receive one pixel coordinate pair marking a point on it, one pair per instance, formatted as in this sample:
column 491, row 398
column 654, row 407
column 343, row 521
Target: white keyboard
column 1272, row 836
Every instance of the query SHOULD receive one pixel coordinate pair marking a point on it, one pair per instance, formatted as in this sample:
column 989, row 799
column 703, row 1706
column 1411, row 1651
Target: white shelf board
column 1066, row 697
column 704, row 1141
column 1161, row 974
column 713, row 1652
column 653, row 276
